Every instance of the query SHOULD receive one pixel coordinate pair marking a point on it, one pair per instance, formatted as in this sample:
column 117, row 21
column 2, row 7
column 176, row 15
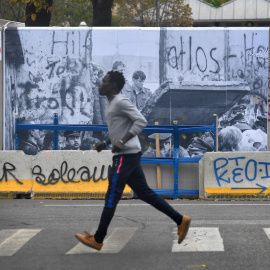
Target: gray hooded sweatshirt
column 122, row 117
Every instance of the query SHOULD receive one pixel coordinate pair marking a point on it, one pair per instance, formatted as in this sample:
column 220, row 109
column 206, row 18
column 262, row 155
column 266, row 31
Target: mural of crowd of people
column 171, row 74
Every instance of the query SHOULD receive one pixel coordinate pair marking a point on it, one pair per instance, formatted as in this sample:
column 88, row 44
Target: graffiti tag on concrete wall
column 56, row 174
column 240, row 170
column 9, row 170
column 64, row 174
column 240, row 59
column 68, row 175
column 55, row 76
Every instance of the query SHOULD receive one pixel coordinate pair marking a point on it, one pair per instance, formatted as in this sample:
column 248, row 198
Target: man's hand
column 99, row 146
column 118, row 147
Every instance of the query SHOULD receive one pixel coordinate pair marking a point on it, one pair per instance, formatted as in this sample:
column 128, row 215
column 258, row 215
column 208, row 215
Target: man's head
column 119, row 66
column 94, row 74
column 138, row 79
column 32, row 135
column 164, row 138
column 35, row 135
column 48, row 141
column 229, row 139
column 112, row 83
column 73, row 139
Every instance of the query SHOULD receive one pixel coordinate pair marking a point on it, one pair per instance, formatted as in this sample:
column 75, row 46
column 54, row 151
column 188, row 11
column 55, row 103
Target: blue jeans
column 126, row 169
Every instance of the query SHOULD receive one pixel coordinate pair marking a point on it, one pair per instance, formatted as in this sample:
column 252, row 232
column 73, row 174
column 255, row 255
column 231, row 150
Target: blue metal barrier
column 175, row 129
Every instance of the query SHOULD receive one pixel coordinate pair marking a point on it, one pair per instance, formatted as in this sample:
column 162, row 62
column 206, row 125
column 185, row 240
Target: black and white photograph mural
column 183, row 74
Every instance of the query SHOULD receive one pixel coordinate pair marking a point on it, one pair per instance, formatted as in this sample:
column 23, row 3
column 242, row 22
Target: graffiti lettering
column 261, row 54
column 176, row 60
column 54, row 41
column 51, row 66
column 218, row 67
column 201, row 49
column 58, row 79
column 238, row 170
column 7, row 169
column 68, row 175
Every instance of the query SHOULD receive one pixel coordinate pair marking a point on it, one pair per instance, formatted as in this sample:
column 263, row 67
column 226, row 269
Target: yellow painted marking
column 12, row 185
column 235, row 191
column 196, row 266
column 20, row 243
column 60, row 187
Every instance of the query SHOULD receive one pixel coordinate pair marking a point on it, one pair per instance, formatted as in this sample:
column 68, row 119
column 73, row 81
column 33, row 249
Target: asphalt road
column 39, row 234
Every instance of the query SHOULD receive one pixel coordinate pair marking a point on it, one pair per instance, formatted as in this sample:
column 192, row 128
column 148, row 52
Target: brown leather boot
column 183, row 228
column 88, row 240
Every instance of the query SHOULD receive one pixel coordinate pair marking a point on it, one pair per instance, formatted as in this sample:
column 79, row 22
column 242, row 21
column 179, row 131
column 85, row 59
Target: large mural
column 183, row 74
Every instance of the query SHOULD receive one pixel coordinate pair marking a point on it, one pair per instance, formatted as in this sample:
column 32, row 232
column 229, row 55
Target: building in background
column 235, row 13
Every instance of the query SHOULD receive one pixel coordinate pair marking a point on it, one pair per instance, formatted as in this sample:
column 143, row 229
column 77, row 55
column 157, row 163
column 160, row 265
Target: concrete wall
column 50, row 70
column 83, row 174
column 234, row 175
column 75, row 174
column 56, row 174
column 188, row 176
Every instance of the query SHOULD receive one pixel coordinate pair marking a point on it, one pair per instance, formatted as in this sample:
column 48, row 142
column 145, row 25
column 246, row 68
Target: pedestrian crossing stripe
column 199, row 239
column 13, row 240
column 113, row 244
column 267, row 231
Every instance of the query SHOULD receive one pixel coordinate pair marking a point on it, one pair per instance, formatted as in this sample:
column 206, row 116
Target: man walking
column 125, row 122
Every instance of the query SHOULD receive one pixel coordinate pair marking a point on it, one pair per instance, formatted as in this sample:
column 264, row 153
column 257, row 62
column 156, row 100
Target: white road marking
column 12, row 240
column 199, row 239
column 113, row 244
column 229, row 222
column 145, row 204
column 267, row 231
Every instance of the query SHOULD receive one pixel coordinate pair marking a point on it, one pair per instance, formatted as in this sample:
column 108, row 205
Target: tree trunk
column 102, row 12
column 142, row 14
column 43, row 18
column 157, row 12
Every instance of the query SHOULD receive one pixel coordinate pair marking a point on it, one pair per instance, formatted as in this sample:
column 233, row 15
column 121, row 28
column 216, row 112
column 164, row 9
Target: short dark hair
column 95, row 68
column 72, row 133
column 139, row 74
column 117, row 78
column 48, row 140
column 24, row 134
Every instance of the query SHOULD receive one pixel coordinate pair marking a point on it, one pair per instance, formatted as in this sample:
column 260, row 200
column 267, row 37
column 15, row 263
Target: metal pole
column 158, row 155
column 215, row 133
column 16, row 132
column 55, row 132
column 175, row 158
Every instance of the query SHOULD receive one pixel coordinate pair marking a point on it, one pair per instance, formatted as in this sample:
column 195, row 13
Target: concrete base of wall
column 79, row 175
column 188, row 179
column 50, row 195
column 56, row 175
column 235, row 175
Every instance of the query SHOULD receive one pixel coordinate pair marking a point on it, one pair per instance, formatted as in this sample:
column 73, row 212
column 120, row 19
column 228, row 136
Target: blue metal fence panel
column 175, row 129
